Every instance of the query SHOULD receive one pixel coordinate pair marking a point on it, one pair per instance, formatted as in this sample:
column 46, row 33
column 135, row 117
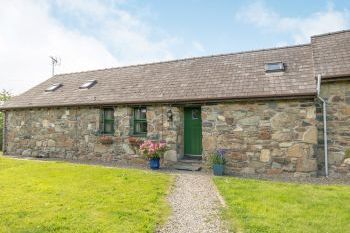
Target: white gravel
column 195, row 204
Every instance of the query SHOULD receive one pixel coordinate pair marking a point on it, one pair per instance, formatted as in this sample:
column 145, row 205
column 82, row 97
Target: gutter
column 175, row 101
column 336, row 78
column 325, row 137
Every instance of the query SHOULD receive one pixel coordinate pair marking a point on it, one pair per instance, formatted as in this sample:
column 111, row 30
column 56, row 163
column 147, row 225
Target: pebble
column 196, row 205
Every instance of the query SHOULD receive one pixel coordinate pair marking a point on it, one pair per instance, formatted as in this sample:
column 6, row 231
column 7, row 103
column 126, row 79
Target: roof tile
column 227, row 76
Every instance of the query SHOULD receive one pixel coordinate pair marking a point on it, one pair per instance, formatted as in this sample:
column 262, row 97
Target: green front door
column 193, row 131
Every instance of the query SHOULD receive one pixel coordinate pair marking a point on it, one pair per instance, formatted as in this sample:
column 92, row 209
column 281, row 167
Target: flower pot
column 106, row 140
column 154, row 163
column 218, row 169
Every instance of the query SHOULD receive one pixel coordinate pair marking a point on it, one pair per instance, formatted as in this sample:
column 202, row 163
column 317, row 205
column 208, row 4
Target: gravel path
column 195, row 205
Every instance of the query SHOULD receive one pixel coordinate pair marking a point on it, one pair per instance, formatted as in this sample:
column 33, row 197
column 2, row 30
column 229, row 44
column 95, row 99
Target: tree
column 4, row 96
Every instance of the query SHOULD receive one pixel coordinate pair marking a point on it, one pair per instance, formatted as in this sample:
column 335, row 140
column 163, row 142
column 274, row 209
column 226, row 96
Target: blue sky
column 94, row 34
column 219, row 30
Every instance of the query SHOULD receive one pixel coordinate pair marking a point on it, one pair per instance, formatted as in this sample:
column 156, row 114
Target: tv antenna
column 55, row 61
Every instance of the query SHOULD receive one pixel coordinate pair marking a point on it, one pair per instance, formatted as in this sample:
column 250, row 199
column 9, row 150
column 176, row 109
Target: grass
column 264, row 206
column 61, row 197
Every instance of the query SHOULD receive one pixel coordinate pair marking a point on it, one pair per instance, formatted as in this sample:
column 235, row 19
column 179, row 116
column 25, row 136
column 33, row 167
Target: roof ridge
column 188, row 58
column 331, row 33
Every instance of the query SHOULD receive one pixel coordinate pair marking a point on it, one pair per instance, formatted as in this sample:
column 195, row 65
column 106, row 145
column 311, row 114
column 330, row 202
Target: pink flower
column 153, row 149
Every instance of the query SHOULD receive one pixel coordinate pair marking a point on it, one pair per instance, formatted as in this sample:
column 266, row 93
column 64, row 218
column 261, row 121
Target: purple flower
column 221, row 152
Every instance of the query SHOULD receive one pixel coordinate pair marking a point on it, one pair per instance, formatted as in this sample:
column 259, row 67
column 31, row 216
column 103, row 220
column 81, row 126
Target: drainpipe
column 324, row 124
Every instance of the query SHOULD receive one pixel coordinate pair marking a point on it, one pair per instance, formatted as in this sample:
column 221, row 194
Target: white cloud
column 28, row 36
column 300, row 28
column 127, row 36
column 98, row 35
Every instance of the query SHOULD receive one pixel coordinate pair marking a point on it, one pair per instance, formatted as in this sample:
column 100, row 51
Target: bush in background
column 4, row 95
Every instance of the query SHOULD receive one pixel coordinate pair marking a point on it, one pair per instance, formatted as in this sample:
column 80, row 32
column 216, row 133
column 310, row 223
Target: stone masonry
column 263, row 137
column 159, row 127
column 69, row 133
column 73, row 133
column 270, row 137
column 337, row 96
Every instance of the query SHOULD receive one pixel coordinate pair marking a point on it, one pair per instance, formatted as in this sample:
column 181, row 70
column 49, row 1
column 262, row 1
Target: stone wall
column 73, row 133
column 160, row 127
column 260, row 137
column 263, row 137
column 337, row 96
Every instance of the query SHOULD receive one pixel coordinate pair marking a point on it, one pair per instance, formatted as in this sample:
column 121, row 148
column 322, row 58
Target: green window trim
column 139, row 121
column 107, row 121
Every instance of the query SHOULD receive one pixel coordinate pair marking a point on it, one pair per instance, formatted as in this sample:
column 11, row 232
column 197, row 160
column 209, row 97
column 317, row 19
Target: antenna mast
column 54, row 61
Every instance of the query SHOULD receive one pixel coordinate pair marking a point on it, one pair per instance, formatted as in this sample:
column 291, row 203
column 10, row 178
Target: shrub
column 218, row 157
column 4, row 96
column 153, row 150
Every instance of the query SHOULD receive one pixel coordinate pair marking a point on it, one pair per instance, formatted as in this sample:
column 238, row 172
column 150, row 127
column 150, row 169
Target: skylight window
column 53, row 87
column 274, row 67
column 88, row 84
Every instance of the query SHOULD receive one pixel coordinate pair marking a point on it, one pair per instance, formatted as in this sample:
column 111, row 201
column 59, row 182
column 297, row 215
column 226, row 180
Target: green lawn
column 263, row 206
column 62, row 197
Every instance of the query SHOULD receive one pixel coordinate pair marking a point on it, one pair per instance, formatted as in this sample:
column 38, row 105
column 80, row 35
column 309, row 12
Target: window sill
column 105, row 134
column 138, row 135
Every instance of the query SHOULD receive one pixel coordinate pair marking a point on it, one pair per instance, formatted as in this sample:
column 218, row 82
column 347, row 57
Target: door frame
column 200, row 134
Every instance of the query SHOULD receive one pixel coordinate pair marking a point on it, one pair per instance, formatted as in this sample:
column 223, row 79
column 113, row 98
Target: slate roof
column 211, row 78
column 331, row 54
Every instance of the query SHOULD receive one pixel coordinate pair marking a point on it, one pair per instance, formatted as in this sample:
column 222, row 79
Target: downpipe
column 325, row 137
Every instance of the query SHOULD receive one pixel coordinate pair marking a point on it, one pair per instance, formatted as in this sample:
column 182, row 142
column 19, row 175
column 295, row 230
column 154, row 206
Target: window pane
column 109, row 114
column 140, row 127
column 195, row 114
column 137, row 113
column 107, row 121
column 53, row 87
column 276, row 66
column 108, row 127
column 88, row 84
column 140, row 113
column 140, row 121
column 143, row 113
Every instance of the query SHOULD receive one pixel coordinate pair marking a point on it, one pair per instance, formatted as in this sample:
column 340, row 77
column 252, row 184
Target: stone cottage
column 260, row 106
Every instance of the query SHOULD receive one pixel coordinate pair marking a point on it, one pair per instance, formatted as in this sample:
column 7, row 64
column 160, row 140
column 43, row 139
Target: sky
column 98, row 34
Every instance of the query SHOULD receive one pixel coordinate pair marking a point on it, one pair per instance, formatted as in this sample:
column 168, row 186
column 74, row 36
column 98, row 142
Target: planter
column 154, row 163
column 106, row 140
column 153, row 151
column 218, row 169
